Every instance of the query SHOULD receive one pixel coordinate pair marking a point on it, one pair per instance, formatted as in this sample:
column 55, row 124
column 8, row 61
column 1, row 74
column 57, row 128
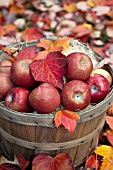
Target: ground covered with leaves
column 90, row 21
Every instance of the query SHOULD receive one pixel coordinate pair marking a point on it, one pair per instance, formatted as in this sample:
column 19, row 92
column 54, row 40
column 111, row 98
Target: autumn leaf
column 50, row 70
column 41, row 55
column 70, row 7
column 105, row 151
column 109, row 121
column 9, row 29
column 109, row 136
column 32, row 33
column 67, row 118
column 92, row 162
column 18, row 9
column 28, row 52
column 110, row 110
column 107, row 164
column 44, row 43
column 56, row 45
column 22, row 161
column 44, row 161
column 83, row 29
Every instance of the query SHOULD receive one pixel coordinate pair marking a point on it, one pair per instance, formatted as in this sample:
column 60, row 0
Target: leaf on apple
column 28, row 52
column 109, row 121
column 44, row 161
column 67, row 118
column 50, row 70
column 92, row 162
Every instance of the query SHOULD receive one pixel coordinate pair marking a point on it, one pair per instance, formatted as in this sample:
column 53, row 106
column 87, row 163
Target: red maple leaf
column 32, row 33
column 28, row 52
column 44, row 161
column 67, row 118
column 50, row 70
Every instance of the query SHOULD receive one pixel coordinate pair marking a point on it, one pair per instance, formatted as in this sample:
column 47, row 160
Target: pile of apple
column 83, row 86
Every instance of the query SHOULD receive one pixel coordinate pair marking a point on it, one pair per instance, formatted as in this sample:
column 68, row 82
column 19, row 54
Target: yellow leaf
column 105, row 151
column 59, row 44
column 107, row 164
column 70, row 7
column 91, row 3
column 52, row 46
column 89, row 26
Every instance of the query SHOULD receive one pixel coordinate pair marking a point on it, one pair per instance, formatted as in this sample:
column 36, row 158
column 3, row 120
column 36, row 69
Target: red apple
column 5, row 85
column 20, row 73
column 17, row 99
column 79, row 66
column 99, row 86
column 76, row 95
column 45, row 98
column 5, row 66
column 103, row 72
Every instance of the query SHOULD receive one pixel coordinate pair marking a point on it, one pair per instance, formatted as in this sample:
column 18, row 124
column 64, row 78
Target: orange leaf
column 70, row 7
column 109, row 136
column 107, row 164
column 44, row 43
column 41, row 55
column 16, row 9
column 110, row 110
column 9, row 29
column 56, row 45
column 45, row 162
column 109, row 121
column 67, row 118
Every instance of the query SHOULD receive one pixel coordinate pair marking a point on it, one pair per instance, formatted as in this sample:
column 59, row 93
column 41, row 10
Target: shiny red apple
column 99, row 86
column 17, row 99
column 79, row 66
column 45, row 98
column 5, row 66
column 20, row 73
column 5, row 84
column 103, row 72
column 76, row 95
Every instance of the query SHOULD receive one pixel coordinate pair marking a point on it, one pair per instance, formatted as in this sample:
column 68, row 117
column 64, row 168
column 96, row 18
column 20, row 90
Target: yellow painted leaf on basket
column 70, row 7
column 67, row 118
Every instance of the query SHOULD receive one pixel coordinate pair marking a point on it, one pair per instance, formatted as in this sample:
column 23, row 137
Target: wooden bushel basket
column 32, row 133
